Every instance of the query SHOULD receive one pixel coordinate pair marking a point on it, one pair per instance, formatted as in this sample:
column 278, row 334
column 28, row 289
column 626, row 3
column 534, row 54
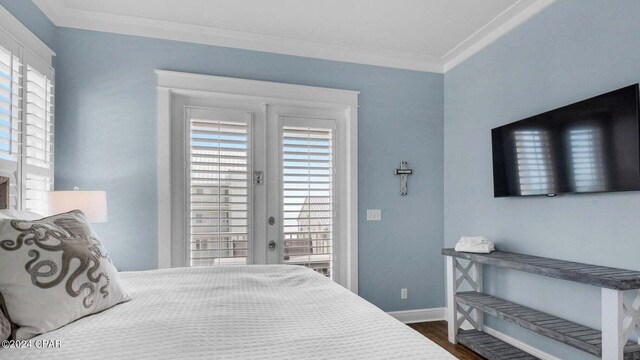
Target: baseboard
column 519, row 344
column 437, row 314
column 419, row 315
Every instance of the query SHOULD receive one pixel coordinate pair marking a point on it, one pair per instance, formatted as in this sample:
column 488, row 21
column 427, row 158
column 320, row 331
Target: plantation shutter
column 219, row 190
column 39, row 132
column 26, row 115
column 10, row 104
column 308, row 202
column 11, row 113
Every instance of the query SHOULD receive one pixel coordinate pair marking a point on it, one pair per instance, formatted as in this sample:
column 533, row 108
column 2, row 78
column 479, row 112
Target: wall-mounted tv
column 587, row 147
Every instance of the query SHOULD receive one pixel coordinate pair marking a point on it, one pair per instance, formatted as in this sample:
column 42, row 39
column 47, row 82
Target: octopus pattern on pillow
column 5, row 327
column 54, row 271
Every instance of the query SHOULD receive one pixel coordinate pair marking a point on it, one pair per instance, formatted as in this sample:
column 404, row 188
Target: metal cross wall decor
column 404, row 173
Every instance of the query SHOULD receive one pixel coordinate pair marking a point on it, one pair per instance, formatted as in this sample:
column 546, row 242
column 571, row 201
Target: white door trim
column 164, row 177
column 271, row 93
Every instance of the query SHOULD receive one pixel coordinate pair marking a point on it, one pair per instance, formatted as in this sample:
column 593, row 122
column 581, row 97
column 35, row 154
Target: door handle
column 272, row 245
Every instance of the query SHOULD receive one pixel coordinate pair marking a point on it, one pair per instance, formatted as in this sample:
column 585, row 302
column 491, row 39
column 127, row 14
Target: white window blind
column 308, row 173
column 26, row 114
column 39, row 129
column 219, row 168
column 10, row 104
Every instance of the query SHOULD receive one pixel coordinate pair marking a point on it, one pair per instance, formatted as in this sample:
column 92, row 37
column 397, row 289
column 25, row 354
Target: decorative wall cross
column 404, row 173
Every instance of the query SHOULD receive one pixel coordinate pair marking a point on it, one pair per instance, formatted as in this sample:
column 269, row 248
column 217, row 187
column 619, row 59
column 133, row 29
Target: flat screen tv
column 587, row 147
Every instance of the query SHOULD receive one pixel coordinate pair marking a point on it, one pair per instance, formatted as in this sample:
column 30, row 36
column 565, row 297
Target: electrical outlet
column 404, row 294
column 374, row 214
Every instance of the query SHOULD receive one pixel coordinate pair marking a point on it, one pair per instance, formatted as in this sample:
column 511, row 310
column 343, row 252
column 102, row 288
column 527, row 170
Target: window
column 38, row 150
column 10, row 104
column 219, row 176
column 307, row 158
column 26, row 115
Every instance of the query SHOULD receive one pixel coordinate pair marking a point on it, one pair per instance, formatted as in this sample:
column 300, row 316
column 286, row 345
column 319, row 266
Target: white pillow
column 53, row 271
column 19, row 215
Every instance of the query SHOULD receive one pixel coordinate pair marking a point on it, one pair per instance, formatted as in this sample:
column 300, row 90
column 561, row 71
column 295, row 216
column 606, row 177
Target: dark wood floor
column 436, row 331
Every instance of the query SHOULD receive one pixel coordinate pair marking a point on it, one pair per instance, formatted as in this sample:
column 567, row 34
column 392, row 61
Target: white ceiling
column 429, row 35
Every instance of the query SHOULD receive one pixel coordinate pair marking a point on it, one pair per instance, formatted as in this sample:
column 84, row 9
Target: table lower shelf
column 567, row 332
column 490, row 347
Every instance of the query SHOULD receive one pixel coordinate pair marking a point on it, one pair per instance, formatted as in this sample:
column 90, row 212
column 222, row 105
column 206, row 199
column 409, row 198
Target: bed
column 237, row 312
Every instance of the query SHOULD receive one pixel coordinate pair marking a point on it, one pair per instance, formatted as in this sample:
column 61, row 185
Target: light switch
column 374, row 214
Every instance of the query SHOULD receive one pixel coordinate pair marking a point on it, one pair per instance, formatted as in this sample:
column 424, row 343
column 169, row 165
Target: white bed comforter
column 244, row 312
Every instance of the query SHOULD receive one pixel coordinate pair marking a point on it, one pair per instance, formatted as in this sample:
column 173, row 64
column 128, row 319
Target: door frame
column 170, row 84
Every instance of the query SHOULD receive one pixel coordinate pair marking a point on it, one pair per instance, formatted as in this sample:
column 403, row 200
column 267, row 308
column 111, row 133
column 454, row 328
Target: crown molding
column 169, row 30
column 509, row 19
column 506, row 21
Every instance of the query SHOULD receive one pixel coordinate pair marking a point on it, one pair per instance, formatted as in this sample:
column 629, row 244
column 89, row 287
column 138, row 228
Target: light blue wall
column 105, row 124
column 573, row 50
column 106, row 139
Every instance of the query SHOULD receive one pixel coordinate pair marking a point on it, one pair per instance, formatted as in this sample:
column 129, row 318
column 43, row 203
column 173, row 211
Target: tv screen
column 590, row 146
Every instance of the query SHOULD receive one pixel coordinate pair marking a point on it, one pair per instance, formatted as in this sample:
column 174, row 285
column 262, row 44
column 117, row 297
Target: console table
column 620, row 306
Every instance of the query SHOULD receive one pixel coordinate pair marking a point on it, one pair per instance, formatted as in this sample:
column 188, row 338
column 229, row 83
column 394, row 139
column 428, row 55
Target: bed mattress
column 240, row 312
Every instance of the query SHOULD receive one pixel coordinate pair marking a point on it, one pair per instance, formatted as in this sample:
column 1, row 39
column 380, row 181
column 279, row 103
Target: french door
column 301, row 192
column 254, row 172
column 259, row 185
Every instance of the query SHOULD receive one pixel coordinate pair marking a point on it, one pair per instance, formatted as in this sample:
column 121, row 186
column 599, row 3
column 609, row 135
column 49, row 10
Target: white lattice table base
column 460, row 276
column 620, row 320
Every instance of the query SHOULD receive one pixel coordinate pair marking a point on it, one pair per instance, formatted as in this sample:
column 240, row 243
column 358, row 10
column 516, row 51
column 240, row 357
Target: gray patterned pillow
column 54, row 271
column 6, row 326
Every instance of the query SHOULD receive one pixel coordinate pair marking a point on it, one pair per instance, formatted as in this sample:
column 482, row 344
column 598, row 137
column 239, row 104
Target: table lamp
column 92, row 203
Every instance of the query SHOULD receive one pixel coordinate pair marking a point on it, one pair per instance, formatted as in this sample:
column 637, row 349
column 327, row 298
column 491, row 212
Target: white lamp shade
column 92, row 203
